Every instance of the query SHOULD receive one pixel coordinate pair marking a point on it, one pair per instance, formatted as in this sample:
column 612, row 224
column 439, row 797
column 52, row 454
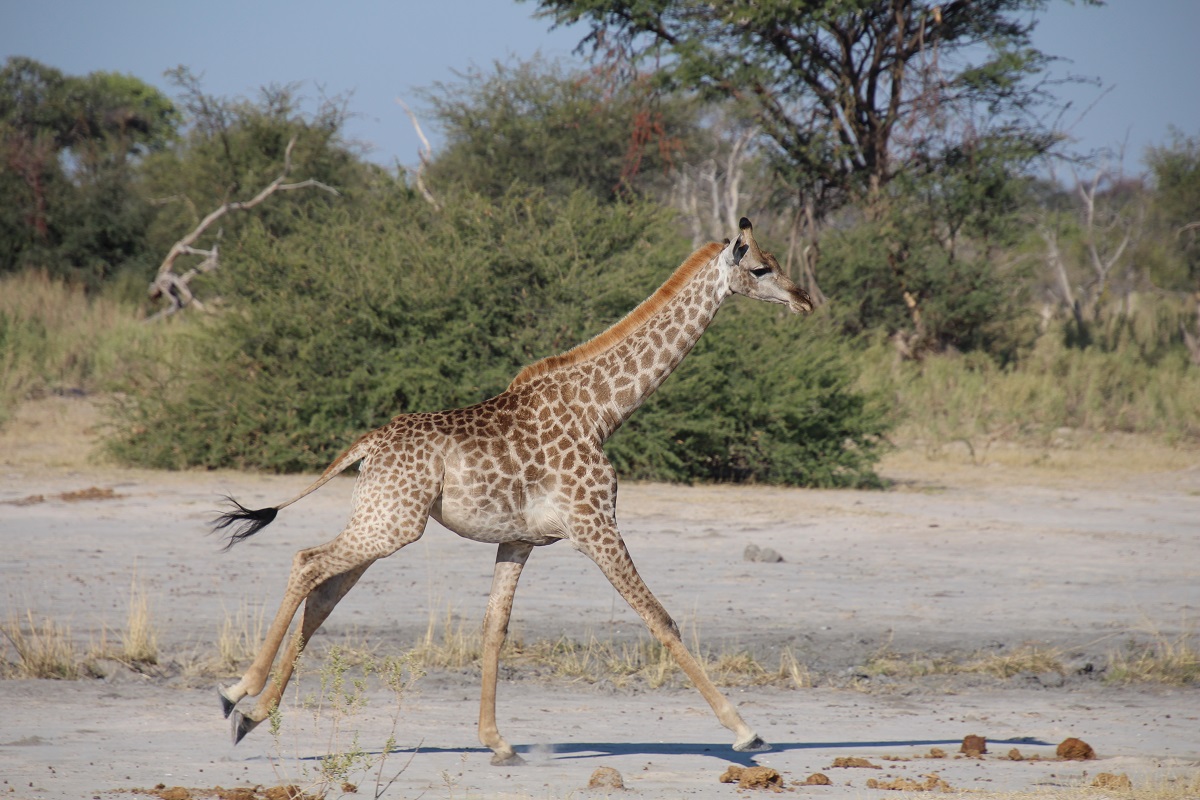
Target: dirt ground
column 1081, row 551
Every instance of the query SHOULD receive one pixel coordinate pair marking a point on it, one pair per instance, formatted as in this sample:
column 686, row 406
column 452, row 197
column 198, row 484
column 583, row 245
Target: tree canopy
column 541, row 125
column 65, row 144
column 850, row 93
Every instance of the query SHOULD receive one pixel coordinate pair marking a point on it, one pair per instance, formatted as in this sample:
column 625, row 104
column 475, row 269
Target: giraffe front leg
column 608, row 550
column 510, row 559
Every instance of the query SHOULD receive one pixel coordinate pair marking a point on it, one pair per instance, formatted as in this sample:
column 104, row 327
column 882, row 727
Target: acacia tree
column 538, row 124
column 847, row 91
column 851, row 95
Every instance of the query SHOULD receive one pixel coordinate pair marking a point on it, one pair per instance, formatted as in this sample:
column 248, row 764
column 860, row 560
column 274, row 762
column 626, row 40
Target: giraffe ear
column 746, row 241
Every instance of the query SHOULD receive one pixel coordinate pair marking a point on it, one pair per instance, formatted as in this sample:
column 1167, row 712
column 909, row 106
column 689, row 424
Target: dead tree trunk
column 805, row 252
column 1192, row 340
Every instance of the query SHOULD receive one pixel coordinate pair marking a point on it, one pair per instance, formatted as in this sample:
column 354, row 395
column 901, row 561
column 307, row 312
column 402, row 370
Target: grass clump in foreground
column 240, row 636
column 1029, row 658
column 139, row 642
column 44, row 649
column 1167, row 661
column 344, row 682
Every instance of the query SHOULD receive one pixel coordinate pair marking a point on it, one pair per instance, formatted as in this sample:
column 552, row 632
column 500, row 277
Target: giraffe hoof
column 510, row 760
column 226, row 704
column 754, row 744
column 241, row 726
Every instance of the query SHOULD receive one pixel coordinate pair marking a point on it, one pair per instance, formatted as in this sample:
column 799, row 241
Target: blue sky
column 1143, row 51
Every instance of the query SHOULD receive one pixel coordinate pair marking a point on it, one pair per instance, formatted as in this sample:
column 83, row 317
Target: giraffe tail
column 245, row 522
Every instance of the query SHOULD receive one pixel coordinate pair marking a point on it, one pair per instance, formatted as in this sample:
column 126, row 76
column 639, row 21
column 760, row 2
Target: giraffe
column 521, row 470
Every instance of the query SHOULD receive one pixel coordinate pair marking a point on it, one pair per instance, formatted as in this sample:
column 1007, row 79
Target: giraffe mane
column 632, row 321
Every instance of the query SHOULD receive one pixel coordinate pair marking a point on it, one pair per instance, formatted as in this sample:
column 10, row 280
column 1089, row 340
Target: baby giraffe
column 521, row 470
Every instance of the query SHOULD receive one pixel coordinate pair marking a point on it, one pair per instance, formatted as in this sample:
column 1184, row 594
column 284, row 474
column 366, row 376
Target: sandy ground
column 1079, row 552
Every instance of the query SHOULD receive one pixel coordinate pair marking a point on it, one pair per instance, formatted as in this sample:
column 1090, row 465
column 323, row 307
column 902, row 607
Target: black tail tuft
column 245, row 522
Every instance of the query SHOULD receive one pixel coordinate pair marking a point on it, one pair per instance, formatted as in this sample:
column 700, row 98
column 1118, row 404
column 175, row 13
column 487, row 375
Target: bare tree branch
column 174, row 288
column 425, row 154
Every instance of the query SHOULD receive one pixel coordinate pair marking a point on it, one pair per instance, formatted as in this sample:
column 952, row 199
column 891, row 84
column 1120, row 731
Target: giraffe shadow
column 541, row 753
column 722, row 751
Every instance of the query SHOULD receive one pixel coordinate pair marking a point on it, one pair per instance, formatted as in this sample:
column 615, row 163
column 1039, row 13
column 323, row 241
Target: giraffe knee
column 665, row 626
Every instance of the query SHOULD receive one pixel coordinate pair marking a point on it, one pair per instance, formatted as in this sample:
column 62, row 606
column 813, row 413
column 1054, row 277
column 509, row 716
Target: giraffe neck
column 604, row 385
column 636, row 367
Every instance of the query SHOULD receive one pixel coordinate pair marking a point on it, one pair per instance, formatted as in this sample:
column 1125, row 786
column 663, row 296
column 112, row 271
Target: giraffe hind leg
column 310, row 569
column 317, row 608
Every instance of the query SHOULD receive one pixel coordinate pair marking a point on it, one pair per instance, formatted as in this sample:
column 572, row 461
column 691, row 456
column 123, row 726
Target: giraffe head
column 756, row 274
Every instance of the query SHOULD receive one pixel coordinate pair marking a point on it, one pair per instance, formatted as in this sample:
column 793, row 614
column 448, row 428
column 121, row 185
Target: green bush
column 382, row 307
column 765, row 396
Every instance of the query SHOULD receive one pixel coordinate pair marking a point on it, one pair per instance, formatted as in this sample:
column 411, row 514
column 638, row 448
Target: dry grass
column 449, row 645
column 1056, row 398
column 56, row 338
column 1170, row 661
column 46, row 649
column 452, row 643
column 43, row 649
column 139, row 642
column 240, row 636
column 1029, row 658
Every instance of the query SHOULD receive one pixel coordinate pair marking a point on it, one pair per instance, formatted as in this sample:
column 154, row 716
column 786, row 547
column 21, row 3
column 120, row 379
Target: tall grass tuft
column 44, row 650
column 139, row 643
column 240, row 636
column 1174, row 662
column 55, row 338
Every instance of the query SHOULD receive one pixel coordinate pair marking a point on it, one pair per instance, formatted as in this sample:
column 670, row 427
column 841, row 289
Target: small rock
column 763, row 555
column 854, row 762
column 932, row 783
column 1051, row 680
column 818, row 779
column 1106, row 780
column 936, row 752
column 769, row 556
column 974, row 746
column 606, row 778
column 1073, row 749
column 753, row 778
column 1015, row 755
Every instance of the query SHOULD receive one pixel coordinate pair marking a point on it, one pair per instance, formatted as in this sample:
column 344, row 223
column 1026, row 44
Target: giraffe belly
column 485, row 520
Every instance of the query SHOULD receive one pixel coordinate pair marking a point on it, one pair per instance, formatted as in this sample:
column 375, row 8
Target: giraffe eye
column 758, row 272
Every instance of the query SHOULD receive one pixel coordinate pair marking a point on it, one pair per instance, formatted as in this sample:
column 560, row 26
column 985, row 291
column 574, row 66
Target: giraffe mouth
column 799, row 302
